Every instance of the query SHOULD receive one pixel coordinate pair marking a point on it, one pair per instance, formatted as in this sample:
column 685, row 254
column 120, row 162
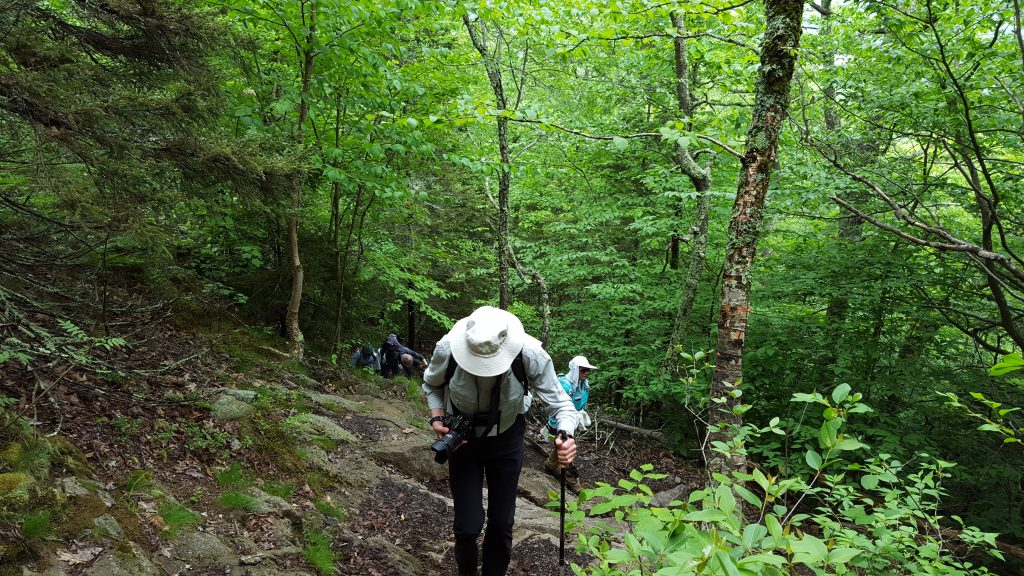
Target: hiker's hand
column 566, row 450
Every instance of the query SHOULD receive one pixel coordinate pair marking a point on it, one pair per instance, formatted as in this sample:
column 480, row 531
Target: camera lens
column 445, row 445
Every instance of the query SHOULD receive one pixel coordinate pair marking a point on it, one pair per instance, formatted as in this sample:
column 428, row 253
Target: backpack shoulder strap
column 519, row 369
column 449, row 370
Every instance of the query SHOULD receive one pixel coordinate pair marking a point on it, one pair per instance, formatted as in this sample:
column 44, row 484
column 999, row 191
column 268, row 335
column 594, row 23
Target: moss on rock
column 11, row 455
column 15, row 490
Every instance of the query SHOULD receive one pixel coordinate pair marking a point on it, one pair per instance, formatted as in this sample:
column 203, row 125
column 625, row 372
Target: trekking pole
column 561, row 523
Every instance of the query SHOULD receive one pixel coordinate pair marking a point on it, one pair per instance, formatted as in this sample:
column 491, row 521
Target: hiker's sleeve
column 544, row 383
column 433, row 377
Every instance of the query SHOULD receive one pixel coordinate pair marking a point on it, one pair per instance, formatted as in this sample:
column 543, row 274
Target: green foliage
column 233, row 477
column 833, row 516
column 158, row 165
column 139, row 482
column 237, row 500
column 203, row 437
column 127, row 428
column 37, row 526
column 327, row 508
column 998, row 417
column 317, row 551
column 177, row 518
column 279, row 489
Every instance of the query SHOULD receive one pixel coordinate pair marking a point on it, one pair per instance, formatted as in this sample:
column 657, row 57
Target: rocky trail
column 238, row 462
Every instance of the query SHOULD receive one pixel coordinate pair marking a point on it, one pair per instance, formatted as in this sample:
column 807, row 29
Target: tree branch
column 590, row 136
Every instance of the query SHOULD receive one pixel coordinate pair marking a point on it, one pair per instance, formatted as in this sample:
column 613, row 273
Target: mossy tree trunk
column 779, row 50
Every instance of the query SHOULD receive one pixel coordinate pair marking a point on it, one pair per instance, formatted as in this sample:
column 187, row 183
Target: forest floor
column 210, row 452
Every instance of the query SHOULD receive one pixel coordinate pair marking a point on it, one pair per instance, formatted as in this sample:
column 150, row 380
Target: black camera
column 459, row 428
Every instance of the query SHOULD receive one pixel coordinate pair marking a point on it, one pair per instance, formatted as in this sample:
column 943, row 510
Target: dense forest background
column 331, row 171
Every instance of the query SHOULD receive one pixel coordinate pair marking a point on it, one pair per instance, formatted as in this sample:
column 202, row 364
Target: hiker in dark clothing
column 487, row 369
column 392, row 352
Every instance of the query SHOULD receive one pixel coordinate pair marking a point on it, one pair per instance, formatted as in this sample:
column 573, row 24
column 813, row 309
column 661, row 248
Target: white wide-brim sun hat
column 487, row 341
column 582, row 362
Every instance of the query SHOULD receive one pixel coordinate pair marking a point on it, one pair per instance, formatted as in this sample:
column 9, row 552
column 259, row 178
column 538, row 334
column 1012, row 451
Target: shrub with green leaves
column 833, row 515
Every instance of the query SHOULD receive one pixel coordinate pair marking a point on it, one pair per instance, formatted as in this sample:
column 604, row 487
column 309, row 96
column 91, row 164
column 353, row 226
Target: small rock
column 72, row 486
column 243, row 395
column 107, row 525
column 663, row 498
column 332, row 402
column 202, row 550
column 282, row 534
column 250, row 560
column 315, row 425
column 264, row 503
column 227, row 408
column 128, row 560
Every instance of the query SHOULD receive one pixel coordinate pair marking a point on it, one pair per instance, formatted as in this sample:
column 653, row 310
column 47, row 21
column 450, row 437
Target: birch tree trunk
column 779, row 50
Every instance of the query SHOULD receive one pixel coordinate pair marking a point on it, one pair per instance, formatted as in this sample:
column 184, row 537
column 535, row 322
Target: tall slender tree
column 490, row 49
column 700, row 177
column 779, row 49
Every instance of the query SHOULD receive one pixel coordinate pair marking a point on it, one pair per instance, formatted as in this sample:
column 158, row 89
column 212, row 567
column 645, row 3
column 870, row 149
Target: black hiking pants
column 499, row 459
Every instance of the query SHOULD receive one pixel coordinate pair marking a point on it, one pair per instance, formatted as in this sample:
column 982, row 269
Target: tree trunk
column 336, row 214
column 526, row 274
column 410, row 321
column 295, row 336
column 478, row 34
column 701, row 180
column 771, row 103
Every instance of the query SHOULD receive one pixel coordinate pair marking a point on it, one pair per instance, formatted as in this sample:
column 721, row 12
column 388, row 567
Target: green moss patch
column 11, row 455
column 15, row 490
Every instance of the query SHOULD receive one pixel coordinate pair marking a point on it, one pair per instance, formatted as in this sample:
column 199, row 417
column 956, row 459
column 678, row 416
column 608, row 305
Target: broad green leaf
column 813, row 459
column 809, row 550
column 840, row 393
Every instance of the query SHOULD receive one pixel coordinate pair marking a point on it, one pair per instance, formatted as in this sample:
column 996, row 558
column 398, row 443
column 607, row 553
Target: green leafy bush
column 831, row 516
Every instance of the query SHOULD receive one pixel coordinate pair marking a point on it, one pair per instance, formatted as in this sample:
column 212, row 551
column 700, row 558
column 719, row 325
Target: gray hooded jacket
column 472, row 394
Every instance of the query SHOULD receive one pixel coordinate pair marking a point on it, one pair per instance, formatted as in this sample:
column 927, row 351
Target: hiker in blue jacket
column 577, row 386
column 364, row 357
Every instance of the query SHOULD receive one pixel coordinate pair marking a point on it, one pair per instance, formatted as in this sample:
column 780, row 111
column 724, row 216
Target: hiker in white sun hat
column 487, row 369
column 576, row 384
